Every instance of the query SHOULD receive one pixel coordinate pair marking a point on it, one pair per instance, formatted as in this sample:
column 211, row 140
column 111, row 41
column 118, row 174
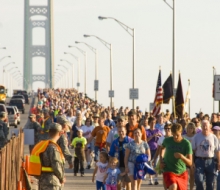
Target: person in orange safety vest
column 47, row 161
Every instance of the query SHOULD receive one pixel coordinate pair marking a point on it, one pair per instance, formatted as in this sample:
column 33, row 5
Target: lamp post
column 96, row 67
column 4, row 66
column 67, row 70
column 173, row 54
column 59, row 76
column 85, row 65
column 9, row 79
column 78, row 73
column 64, row 79
column 71, row 64
column 131, row 32
column 109, row 46
column 214, row 72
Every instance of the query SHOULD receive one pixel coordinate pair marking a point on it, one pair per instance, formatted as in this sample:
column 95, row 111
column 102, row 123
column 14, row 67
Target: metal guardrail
column 11, row 156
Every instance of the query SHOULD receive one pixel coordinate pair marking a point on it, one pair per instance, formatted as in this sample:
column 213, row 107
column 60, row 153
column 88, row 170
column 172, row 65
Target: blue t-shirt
column 112, row 176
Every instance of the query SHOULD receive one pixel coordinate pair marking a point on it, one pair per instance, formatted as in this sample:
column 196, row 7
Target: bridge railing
column 11, row 156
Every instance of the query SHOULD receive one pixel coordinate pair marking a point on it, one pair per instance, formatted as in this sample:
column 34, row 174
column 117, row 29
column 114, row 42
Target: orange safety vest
column 35, row 166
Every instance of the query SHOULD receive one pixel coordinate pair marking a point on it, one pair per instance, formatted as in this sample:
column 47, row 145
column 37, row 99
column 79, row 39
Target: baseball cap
column 216, row 128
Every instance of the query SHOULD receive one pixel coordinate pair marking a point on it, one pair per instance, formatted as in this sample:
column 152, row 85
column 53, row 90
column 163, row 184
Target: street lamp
column 4, row 66
column 173, row 61
column 96, row 67
column 78, row 62
column 64, row 77
column 131, row 32
column 85, row 65
column 71, row 64
column 67, row 70
column 109, row 46
column 4, row 57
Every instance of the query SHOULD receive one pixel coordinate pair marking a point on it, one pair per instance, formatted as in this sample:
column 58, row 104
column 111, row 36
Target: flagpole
column 213, row 89
column 189, row 96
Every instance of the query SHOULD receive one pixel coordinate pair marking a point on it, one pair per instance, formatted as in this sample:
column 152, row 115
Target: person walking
column 117, row 150
column 190, row 132
column 113, row 134
column 132, row 151
column 100, row 134
column 132, row 125
column 216, row 131
column 87, row 130
column 51, row 166
column 3, row 129
column 177, row 156
column 153, row 135
column 100, row 170
column 79, row 156
column 205, row 145
column 36, row 127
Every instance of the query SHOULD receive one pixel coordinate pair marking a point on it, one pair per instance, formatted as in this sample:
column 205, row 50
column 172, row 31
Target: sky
column 197, row 45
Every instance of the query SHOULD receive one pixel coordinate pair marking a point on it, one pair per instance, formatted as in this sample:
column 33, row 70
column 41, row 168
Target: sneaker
column 156, row 183
column 150, row 182
column 82, row 175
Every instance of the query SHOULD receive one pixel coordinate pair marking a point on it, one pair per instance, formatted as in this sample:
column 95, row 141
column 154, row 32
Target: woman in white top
column 71, row 118
column 87, row 130
column 190, row 132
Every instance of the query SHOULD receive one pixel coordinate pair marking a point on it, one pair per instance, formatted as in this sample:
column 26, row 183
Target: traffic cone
column 19, row 187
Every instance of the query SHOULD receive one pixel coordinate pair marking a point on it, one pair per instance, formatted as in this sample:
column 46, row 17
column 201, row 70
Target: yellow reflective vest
column 35, row 167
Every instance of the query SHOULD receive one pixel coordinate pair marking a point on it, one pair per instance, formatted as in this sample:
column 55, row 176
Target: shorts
column 124, row 178
column 91, row 145
column 180, row 179
column 152, row 152
column 96, row 158
column 131, row 168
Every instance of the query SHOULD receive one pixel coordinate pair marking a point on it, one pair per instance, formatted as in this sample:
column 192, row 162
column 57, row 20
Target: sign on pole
column 133, row 92
column 78, row 84
column 111, row 93
column 96, row 85
column 151, row 106
column 217, row 88
column 29, row 136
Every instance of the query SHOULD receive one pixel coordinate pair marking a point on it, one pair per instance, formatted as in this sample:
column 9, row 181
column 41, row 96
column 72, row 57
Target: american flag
column 158, row 97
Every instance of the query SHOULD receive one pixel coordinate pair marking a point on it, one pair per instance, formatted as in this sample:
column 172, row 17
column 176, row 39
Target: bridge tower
column 38, row 16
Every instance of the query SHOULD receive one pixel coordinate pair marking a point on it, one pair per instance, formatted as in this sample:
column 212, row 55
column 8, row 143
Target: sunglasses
column 167, row 128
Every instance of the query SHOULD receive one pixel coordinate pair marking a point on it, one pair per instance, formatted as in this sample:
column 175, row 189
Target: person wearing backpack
column 132, row 125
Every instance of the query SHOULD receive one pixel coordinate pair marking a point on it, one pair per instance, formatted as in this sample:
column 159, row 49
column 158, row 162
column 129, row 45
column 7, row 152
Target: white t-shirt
column 87, row 130
column 188, row 138
column 101, row 172
column 71, row 119
column 160, row 141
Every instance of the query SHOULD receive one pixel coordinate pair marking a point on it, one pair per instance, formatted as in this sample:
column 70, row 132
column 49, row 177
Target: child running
column 111, row 176
column 79, row 157
column 100, row 171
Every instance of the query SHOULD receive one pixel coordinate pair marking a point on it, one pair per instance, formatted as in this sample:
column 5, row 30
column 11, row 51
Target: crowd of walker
column 125, row 145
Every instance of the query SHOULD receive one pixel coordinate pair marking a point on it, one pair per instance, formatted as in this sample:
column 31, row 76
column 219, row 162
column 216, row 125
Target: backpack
column 141, row 168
